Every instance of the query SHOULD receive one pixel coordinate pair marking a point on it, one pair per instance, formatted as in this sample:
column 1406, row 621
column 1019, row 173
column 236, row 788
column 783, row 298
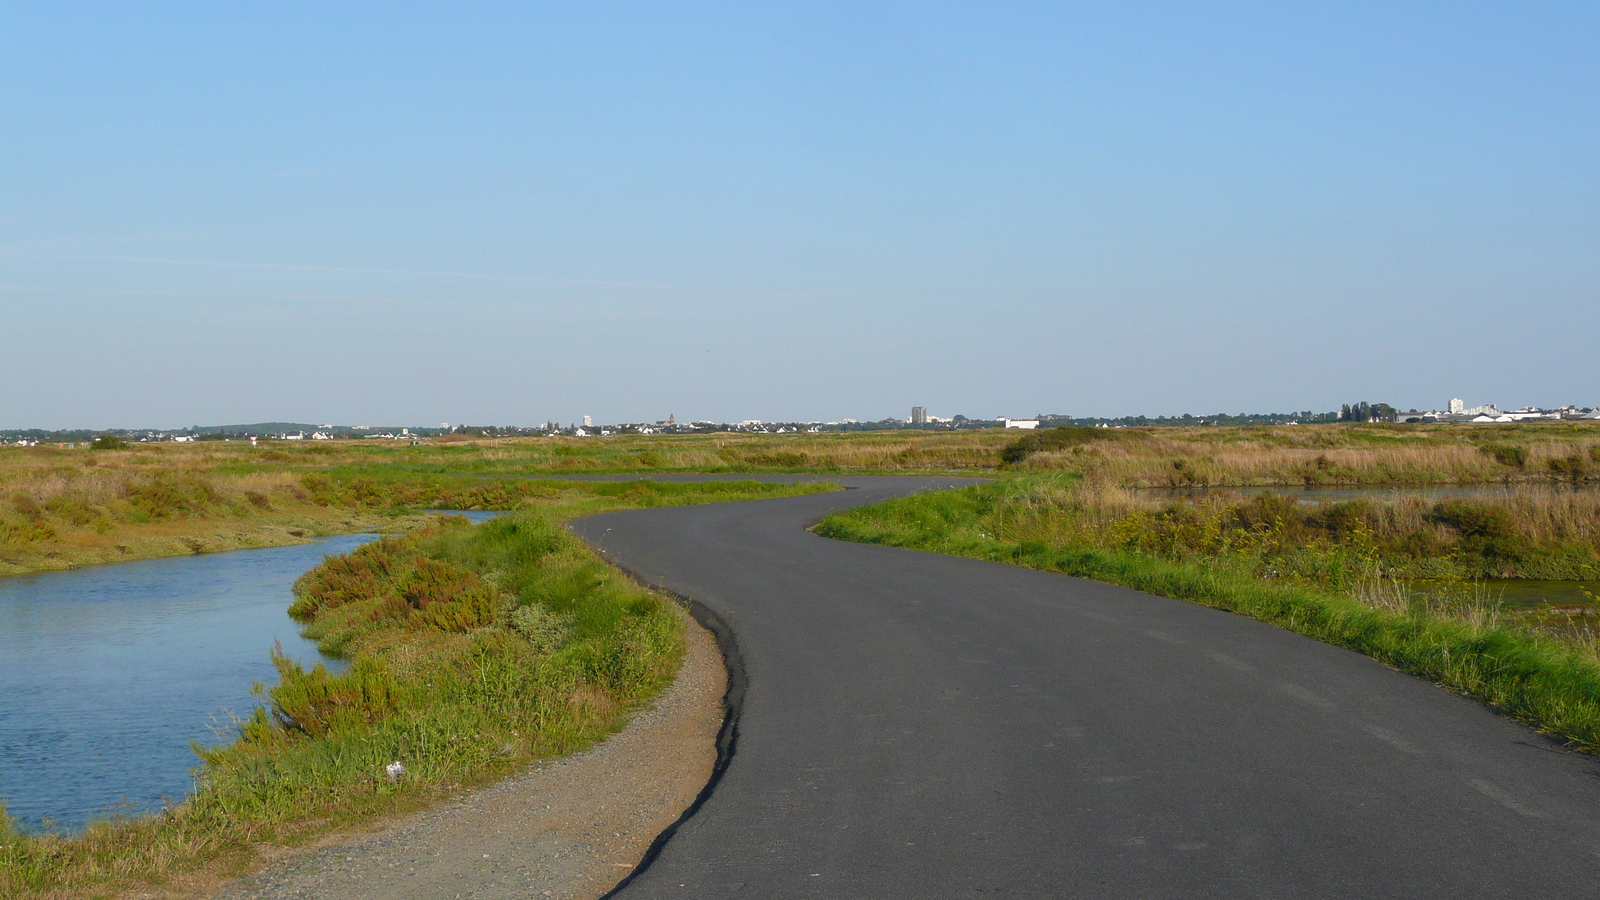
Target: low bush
column 168, row 496
column 1513, row 455
column 1574, row 467
column 1063, row 438
column 316, row 704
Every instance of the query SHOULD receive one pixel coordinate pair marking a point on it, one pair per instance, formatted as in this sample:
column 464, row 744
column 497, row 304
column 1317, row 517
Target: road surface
column 915, row 725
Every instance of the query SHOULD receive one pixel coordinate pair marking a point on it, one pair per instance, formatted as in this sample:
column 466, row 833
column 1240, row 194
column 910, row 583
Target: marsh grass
column 474, row 650
column 1539, row 533
column 61, row 508
column 1459, row 638
column 171, row 499
column 1309, row 455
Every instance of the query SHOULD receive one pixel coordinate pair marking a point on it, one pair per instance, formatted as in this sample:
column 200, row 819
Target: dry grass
column 65, row 507
column 884, row 451
column 1533, row 532
column 63, row 510
column 1540, row 515
column 1331, row 454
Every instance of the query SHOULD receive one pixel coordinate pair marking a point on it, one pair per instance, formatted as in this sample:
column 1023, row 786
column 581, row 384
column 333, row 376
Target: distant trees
column 1367, row 412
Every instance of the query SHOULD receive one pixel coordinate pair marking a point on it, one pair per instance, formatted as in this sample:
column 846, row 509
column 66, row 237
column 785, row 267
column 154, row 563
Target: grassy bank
column 1532, row 533
column 474, row 650
column 1310, row 455
column 62, row 507
column 1329, row 586
column 69, row 515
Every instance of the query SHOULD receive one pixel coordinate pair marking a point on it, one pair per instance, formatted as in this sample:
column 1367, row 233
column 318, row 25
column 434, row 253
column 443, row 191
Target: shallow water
column 1522, row 594
column 1513, row 592
column 108, row 672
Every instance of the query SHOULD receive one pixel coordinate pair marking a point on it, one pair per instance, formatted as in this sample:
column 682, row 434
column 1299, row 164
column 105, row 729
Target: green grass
column 474, row 649
column 1542, row 680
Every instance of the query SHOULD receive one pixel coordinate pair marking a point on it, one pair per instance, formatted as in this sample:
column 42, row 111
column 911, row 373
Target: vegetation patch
column 1066, row 437
column 1320, row 572
column 160, row 499
column 1308, row 456
column 472, row 651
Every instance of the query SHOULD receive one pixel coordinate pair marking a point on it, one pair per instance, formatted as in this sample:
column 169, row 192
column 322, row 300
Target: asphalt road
column 917, row 725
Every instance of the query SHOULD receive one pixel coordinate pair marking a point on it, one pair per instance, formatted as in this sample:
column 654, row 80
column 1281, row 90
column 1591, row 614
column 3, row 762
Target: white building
column 1457, row 406
column 588, row 421
column 1018, row 423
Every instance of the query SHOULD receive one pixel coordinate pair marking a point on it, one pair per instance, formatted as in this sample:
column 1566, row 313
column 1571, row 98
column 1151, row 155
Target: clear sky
column 507, row 213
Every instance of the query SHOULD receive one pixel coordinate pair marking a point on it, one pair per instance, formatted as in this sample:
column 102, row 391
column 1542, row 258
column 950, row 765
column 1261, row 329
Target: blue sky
column 501, row 214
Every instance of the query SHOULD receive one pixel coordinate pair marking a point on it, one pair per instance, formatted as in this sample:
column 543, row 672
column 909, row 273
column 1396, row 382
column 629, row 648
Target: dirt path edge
column 566, row 829
column 727, row 735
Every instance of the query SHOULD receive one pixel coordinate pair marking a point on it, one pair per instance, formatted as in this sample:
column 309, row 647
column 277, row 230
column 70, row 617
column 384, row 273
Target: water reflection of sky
column 472, row 515
column 108, row 672
column 1515, row 593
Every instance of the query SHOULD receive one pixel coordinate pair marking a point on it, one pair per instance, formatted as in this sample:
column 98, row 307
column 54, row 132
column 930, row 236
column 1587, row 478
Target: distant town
column 919, row 419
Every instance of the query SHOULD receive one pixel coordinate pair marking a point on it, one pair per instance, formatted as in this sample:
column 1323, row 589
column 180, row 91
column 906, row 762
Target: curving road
column 917, row 725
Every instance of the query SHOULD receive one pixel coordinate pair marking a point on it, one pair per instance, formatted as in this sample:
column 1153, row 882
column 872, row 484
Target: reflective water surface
column 108, row 672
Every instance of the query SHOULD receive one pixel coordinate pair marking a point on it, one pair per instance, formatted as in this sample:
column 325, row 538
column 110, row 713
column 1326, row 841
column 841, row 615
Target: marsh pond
column 107, row 673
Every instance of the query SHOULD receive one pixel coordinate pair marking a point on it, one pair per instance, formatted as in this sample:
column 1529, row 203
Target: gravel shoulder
column 571, row 828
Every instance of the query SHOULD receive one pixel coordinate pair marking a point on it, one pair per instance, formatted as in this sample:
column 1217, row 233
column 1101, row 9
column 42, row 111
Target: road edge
column 727, row 735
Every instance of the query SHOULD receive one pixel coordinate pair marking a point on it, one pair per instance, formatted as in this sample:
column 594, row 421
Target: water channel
column 108, row 672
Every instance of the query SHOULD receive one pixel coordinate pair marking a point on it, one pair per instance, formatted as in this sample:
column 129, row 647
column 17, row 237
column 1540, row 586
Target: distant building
column 919, row 415
column 588, row 421
column 1457, row 406
column 1018, row 423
